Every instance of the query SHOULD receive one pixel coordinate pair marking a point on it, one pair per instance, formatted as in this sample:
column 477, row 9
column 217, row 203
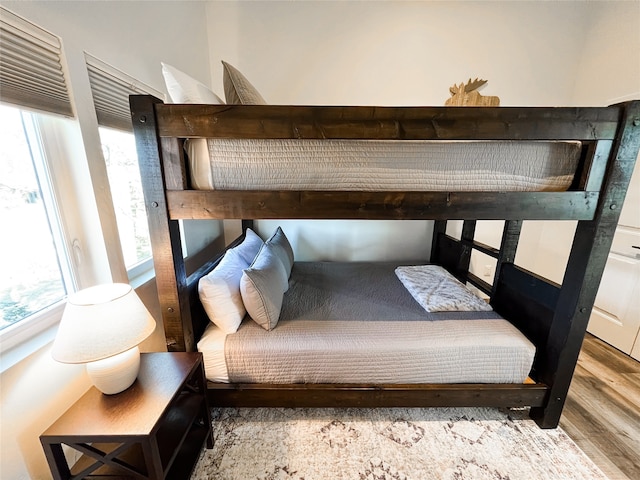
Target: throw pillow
column 185, row 89
column 283, row 249
column 220, row 292
column 262, row 287
column 249, row 247
column 237, row 89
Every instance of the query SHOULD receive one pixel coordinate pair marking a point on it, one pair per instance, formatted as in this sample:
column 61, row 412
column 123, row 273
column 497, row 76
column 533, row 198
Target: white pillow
column 220, row 292
column 249, row 247
column 283, row 249
column 185, row 89
column 262, row 287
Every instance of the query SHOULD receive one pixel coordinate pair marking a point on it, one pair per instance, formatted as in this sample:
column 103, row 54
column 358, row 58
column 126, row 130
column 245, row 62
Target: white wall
column 609, row 66
column 608, row 69
column 133, row 37
column 395, row 53
column 399, row 53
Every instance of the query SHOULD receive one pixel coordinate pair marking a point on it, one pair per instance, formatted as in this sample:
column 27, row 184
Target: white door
column 616, row 314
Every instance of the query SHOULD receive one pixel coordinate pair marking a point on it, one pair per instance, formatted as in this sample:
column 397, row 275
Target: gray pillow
column 262, row 287
column 282, row 248
column 237, row 89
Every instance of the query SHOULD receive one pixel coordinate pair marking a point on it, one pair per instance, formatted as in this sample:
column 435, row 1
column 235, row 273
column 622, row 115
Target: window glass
column 35, row 270
column 119, row 151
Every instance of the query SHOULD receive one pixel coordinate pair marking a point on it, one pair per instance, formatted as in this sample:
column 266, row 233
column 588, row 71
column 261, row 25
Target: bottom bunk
column 361, row 334
column 357, row 323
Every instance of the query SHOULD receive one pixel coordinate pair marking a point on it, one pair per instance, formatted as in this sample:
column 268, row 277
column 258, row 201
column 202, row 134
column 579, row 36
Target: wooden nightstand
column 154, row 430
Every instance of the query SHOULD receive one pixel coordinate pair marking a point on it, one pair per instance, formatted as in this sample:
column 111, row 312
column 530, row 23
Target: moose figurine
column 468, row 95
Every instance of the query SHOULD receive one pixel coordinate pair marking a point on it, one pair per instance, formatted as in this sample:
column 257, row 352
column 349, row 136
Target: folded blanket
column 436, row 290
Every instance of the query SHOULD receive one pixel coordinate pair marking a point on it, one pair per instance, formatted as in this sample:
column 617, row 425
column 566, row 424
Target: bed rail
column 390, row 395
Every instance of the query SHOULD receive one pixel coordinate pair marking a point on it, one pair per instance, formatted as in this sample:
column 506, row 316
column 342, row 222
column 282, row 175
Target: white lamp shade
column 101, row 321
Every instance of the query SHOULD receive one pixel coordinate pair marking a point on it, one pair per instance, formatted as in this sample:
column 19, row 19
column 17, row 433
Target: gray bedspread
column 356, row 323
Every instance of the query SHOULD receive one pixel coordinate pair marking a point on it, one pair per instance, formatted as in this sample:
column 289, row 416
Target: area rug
column 388, row 444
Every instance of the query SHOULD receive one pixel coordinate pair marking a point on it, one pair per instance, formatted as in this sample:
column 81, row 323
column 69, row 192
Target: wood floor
column 602, row 412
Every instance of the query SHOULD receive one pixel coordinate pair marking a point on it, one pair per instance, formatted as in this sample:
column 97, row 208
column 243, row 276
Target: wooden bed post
column 439, row 228
column 466, row 238
column 164, row 233
column 508, row 247
column 589, row 252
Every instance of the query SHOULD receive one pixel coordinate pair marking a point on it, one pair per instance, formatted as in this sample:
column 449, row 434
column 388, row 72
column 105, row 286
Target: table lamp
column 102, row 326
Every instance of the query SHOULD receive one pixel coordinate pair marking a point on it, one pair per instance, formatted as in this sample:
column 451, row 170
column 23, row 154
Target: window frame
column 36, row 330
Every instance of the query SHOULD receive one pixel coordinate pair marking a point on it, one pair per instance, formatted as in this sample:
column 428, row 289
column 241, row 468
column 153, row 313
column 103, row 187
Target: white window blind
column 111, row 89
column 31, row 67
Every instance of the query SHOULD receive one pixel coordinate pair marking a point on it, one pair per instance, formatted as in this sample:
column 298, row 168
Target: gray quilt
column 356, row 323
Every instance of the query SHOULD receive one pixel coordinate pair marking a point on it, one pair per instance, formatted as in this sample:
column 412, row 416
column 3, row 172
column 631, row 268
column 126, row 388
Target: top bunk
column 588, row 151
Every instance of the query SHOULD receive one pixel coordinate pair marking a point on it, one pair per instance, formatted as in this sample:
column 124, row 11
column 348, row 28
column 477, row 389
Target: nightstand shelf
column 178, row 423
column 154, row 430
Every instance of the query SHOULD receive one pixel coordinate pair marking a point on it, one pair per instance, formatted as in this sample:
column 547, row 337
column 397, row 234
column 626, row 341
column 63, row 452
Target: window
column 111, row 89
column 36, row 272
column 119, row 152
column 35, row 106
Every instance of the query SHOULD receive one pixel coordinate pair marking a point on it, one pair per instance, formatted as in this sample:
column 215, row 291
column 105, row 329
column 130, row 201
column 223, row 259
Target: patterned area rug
column 388, row 444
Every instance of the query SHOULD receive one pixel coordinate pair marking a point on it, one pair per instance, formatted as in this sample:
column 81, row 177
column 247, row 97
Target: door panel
column 616, row 314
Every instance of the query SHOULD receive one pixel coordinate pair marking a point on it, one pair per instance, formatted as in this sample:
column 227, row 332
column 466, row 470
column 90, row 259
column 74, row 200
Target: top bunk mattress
column 381, row 165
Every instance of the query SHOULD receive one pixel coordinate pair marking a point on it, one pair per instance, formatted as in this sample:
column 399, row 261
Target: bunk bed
column 552, row 317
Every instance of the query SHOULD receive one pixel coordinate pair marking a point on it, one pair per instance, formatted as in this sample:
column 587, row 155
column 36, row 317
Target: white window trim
column 34, row 129
column 141, row 273
column 29, row 335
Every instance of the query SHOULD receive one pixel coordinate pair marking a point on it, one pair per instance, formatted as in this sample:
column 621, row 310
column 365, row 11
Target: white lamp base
column 117, row 373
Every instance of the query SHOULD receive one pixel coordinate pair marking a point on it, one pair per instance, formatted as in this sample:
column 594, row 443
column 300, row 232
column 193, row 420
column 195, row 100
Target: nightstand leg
column 206, row 413
column 57, row 461
column 152, row 460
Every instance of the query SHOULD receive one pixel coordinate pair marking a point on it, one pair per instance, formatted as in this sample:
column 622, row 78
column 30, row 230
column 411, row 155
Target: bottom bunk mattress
column 355, row 322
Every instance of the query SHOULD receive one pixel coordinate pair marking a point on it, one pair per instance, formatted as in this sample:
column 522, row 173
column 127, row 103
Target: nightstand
column 153, row 430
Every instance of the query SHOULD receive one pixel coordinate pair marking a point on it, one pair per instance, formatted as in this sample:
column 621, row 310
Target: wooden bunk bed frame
column 554, row 317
